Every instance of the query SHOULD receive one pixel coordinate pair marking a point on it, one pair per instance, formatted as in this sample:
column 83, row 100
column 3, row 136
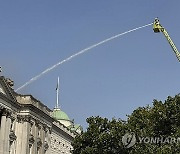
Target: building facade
column 27, row 126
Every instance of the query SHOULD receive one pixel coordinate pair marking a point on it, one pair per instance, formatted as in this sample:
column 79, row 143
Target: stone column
column 12, row 135
column 25, row 143
column 22, row 133
column 2, row 131
column 18, row 132
column 6, row 147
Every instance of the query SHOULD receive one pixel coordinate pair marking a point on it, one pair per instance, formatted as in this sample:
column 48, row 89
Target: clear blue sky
column 111, row 80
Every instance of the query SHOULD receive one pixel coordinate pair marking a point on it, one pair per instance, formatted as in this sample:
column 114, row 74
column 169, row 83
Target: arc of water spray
column 78, row 53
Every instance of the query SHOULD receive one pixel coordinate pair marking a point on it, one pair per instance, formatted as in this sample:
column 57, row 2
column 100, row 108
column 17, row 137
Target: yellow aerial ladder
column 158, row 28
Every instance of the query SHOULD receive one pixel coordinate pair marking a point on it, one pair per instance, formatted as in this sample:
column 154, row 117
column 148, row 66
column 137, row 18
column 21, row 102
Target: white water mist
column 77, row 54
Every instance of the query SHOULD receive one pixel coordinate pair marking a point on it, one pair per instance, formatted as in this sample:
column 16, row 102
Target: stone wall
column 27, row 127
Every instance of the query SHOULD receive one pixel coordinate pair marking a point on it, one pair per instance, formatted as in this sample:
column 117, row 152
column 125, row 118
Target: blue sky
column 110, row 80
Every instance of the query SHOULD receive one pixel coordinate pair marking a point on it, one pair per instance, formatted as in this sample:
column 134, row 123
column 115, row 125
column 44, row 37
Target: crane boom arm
column 171, row 43
column 158, row 28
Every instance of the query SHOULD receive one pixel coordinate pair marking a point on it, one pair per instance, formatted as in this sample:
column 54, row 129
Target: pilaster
column 23, row 134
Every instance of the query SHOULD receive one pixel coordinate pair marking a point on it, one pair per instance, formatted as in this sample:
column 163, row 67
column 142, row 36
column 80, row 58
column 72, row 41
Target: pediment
column 5, row 89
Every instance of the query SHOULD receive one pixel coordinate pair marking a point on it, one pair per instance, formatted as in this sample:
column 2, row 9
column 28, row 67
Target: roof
column 74, row 127
column 60, row 115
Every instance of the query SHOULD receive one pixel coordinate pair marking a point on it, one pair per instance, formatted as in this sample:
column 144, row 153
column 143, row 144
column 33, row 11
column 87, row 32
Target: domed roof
column 60, row 115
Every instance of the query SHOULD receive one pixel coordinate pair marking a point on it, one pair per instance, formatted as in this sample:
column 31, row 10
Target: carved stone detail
column 46, row 146
column 38, row 123
column 10, row 82
column 31, row 140
column 6, row 112
column 12, row 136
column 13, row 117
column 9, row 115
column 39, row 142
column 24, row 118
column 45, row 128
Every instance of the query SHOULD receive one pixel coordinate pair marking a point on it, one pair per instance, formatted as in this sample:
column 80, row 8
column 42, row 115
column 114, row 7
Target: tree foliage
column 104, row 136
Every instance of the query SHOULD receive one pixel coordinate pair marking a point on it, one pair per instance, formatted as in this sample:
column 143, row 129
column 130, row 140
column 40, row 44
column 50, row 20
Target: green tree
column 104, row 136
column 160, row 120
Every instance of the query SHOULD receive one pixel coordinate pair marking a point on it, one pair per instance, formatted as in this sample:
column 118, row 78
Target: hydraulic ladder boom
column 158, row 28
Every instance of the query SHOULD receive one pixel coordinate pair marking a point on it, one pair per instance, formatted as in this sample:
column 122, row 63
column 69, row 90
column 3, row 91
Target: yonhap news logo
column 130, row 139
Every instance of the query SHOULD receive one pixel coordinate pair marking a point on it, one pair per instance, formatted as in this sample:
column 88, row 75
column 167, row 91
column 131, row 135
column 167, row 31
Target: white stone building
column 29, row 127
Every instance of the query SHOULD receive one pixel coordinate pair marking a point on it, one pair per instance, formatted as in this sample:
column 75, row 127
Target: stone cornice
column 29, row 99
column 36, row 110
